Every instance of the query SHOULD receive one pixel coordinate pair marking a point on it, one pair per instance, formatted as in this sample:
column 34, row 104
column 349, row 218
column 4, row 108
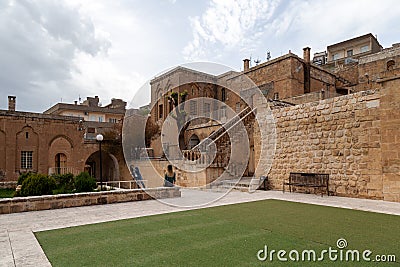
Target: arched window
column 193, row 141
column 390, row 65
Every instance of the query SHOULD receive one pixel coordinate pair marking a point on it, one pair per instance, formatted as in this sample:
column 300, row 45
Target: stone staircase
column 244, row 184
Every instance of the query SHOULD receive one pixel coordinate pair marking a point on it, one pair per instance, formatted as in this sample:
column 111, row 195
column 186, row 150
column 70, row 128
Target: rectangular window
column 112, row 120
column 237, row 108
column 276, row 96
column 223, row 95
column 223, row 112
column 26, row 159
column 100, row 119
column 91, row 130
column 364, row 48
column 207, row 109
column 160, row 111
column 350, row 52
column 335, row 56
column 193, row 107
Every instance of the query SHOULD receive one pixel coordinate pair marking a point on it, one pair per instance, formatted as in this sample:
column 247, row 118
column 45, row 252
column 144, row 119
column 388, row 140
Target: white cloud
column 100, row 75
column 232, row 30
column 53, row 49
column 231, row 24
column 38, row 43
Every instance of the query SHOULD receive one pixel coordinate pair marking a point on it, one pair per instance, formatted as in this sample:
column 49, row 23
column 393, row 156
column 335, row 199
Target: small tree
column 22, row 177
column 180, row 115
column 37, row 185
column 64, row 182
column 84, row 182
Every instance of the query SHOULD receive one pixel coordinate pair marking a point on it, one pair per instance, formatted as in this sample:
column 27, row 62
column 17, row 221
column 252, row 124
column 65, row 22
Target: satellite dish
column 257, row 61
column 268, row 55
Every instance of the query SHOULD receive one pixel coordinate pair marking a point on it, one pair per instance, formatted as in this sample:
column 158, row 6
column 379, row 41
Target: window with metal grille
column 223, row 112
column 207, row 109
column 193, row 107
column 223, row 95
column 237, row 108
column 26, row 159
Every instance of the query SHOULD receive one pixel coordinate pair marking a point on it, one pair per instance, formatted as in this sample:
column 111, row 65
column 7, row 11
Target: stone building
column 286, row 79
column 350, row 50
column 49, row 143
column 339, row 118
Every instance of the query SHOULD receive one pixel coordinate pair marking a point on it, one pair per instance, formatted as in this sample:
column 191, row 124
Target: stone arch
column 115, row 175
column 61, row 144
column 63, row 136
column 27, row 148
column 194, row 140
column 110, row 166
column 390, row 65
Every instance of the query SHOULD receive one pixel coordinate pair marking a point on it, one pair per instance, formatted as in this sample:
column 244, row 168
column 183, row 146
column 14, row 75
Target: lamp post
column 100, row 138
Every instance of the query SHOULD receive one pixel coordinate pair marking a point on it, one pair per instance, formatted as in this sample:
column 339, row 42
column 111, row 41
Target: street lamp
column 100, row 138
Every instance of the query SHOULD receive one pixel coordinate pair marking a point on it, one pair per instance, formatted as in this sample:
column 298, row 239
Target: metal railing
column 131, row 184
column 63, row 170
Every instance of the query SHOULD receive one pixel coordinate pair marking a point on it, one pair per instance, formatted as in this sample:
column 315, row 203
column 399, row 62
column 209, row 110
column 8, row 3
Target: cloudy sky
column 60, row 50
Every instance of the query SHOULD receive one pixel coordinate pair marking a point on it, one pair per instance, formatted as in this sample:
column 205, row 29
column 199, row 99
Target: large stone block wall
column 390, row 139
column 22, row 204
column 340, row 136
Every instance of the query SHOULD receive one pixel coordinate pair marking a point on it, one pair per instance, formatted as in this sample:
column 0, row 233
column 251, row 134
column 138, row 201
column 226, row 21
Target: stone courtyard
column 19, row 247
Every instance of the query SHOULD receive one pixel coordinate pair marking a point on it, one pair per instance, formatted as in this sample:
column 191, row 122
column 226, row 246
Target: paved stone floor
column 19, row 247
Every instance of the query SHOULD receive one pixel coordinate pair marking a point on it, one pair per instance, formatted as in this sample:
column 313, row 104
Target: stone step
column 244, row 184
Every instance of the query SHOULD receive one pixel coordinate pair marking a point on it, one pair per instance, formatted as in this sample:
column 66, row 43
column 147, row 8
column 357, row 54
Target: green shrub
column 64, row 183
column 84, row 182
column 38, row 184
column 22, row 177
column 6, row 192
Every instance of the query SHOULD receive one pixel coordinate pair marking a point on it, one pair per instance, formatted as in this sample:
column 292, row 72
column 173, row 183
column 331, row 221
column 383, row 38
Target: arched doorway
column 193, row 141
column 109, row 165
column 60, row 162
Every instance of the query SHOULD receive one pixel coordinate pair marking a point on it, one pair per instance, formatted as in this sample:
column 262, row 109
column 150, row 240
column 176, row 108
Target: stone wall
column 48, row 135
column 390, row 139
column 343, row 137
column 8, row 185
column 22, row 204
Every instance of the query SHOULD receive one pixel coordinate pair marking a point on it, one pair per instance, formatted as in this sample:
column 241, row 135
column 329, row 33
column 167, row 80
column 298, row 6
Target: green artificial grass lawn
column 225, row 236
column 6, row 193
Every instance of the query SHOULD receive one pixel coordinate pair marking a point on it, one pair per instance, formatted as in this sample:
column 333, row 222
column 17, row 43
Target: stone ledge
column 8, row 185
column 35, row 203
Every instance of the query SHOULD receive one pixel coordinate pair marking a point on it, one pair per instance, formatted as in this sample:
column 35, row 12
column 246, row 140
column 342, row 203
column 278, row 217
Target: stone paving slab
column 22, row 248
column 26, row 249
column 6, row 258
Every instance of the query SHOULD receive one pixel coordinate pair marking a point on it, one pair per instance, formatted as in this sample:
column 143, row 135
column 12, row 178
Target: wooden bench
column 312, row 180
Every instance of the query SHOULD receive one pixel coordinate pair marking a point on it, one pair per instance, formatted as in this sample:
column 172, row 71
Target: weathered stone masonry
column 353, row 138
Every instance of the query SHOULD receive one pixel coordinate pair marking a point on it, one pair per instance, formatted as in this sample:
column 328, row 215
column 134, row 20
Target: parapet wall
column 21, row 204
column 346, row 137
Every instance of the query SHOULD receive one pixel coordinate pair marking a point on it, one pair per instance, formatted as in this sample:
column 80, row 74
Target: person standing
column 169, row 177
column 139, row 178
